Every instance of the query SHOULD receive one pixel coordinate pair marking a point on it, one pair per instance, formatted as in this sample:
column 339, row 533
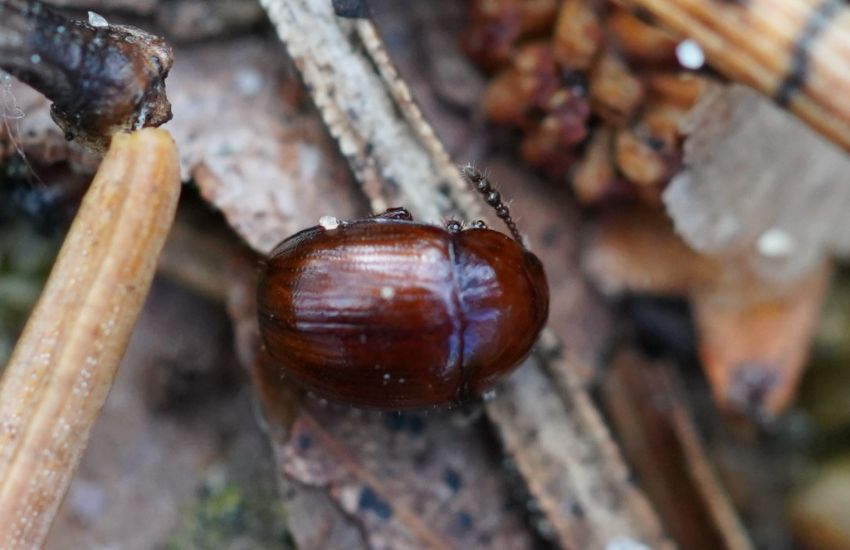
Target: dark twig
column 102, row 79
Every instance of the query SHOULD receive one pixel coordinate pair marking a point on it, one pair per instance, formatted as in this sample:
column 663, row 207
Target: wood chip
column 760, row 185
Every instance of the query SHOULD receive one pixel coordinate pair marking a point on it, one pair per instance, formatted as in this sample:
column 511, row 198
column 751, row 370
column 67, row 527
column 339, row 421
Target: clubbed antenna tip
column 481, row 184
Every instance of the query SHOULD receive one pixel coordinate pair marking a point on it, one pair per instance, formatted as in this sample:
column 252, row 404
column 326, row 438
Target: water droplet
column 249, row 82
column 689, row 54
column 775, row 243
column 625, row 543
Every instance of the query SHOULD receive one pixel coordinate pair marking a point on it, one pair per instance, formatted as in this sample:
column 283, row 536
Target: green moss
column 825, row 391
column 25, row 261
column 233, row 514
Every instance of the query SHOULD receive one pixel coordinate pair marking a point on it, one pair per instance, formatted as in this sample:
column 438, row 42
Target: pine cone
column 595, row 90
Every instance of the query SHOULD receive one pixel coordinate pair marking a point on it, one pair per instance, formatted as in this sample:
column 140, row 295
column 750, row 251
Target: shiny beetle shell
column 389, row 313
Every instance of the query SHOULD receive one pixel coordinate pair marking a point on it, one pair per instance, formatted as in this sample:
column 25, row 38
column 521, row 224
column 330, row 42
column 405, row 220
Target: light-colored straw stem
column 795, row 51
column 58, row 377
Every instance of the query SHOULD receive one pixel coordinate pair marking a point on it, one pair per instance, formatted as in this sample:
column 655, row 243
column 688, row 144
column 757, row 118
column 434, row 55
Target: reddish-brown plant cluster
column 595, row 90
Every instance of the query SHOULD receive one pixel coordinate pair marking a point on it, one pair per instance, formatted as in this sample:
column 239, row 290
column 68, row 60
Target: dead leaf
column 407, row 480
column 754, row 345
column 259, row 153
column 753, row 334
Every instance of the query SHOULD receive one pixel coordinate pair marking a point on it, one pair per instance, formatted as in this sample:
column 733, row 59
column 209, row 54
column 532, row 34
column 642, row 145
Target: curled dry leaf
column 754, row 335
column 754, row 344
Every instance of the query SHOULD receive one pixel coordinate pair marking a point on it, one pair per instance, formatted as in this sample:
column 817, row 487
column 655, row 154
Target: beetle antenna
column 481, row 184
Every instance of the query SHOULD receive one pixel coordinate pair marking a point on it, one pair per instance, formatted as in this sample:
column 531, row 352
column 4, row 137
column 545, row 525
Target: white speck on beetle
column 387, row 292
column 35, row 59
column 689, row 54
column 97, row 20
column 775, row 243
column 329, row 222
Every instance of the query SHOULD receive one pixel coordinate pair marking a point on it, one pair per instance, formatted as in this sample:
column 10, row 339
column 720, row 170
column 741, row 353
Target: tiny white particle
column 401, row 380
column 387, row 376
column 775, row 243
column 329, row 222
column 35, row 59
column 249, row 82
column 432, row 256
column 97, row 20
column 87, row 500
column 387, row 292
column 625, row 543
column 689, row 54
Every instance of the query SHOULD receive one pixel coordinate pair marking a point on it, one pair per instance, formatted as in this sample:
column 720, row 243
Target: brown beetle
column 393, row 314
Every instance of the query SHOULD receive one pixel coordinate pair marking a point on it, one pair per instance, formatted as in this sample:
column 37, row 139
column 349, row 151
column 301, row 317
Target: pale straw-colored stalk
column 794, row 51
column 62, row 367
